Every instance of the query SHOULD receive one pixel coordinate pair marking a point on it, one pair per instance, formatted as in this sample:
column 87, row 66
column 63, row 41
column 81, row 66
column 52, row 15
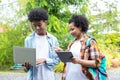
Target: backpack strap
column 104, row 73
column 88, row 42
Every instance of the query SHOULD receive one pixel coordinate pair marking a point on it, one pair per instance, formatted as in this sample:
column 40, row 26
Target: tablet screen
column 65, row 56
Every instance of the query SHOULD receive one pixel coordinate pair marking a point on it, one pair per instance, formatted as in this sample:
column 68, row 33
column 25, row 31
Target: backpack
column 98, row 73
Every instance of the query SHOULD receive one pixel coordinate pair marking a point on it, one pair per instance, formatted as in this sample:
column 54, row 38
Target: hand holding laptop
column 41, row 60
column 26, row 64
column 38, row 61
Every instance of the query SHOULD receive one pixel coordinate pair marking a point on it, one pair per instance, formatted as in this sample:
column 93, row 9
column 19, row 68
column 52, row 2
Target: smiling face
column 40, row 27
column 74, row 31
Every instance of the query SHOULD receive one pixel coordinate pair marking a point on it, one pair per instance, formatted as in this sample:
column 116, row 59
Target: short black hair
column 80, row 21
column 37, row 14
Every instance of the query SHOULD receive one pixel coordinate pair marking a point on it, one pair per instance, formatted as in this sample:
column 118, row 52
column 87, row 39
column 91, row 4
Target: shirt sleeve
column 53, row 58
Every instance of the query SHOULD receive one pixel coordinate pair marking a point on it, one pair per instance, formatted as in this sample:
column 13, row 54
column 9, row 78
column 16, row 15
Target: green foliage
column 110, row 52
column 106, row 20
column 59, row 29
column 12, row 37
column 109, row 45
column 57, row 8
column 59, row 68
column 109, row 39
column 59, row 14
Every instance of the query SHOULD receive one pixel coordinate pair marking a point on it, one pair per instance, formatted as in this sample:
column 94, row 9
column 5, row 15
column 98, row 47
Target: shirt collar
column 47, row 34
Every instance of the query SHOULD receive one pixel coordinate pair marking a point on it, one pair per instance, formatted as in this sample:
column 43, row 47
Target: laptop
column 65, row 56
column 22, row 54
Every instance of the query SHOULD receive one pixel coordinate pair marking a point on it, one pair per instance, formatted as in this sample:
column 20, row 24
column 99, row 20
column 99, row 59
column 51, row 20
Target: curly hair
column 37, row 14
column 80, row 21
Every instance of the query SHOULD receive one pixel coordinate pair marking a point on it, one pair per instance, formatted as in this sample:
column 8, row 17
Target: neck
column 42, row 34
column 79, row 36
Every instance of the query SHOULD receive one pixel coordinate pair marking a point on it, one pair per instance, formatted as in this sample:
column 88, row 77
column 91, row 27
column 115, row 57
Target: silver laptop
column 22, row 54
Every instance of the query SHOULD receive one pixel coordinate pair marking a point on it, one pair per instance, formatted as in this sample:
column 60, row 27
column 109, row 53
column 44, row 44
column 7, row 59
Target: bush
column 12, row 37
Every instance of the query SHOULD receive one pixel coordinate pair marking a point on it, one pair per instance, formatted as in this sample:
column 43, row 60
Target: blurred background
column 103, row 16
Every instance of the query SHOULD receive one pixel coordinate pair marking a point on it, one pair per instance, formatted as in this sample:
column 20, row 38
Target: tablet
column 22, row 54
column 65, row 56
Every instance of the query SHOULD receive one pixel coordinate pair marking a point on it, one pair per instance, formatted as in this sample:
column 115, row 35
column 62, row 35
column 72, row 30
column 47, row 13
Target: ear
column 45, row 21
column 80, row 29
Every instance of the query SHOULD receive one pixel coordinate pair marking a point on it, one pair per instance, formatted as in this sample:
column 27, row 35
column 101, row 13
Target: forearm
column 87, row 63
column 50, row 61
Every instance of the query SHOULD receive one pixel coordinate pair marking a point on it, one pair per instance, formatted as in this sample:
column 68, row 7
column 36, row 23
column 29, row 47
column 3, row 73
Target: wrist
column 79, row 61
column 45, row 60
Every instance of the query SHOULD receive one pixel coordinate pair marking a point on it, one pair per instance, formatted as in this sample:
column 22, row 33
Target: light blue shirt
column 53, row 58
